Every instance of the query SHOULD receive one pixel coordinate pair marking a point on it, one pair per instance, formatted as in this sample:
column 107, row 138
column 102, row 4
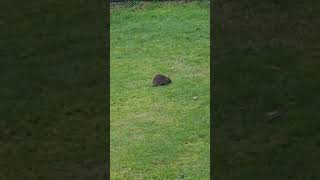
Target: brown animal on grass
column 160, row 80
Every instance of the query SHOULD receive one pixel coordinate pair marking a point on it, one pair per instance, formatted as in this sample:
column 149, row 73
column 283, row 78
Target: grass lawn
column 267, row 52
column 160, row 132
column 52, row 110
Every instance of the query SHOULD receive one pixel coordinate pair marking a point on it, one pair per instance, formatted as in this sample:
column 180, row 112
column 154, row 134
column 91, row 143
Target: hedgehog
column 160, row 80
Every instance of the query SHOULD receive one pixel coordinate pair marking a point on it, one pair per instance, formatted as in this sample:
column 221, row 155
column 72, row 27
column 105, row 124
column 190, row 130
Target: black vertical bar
column 108, row 85
column 211, row 89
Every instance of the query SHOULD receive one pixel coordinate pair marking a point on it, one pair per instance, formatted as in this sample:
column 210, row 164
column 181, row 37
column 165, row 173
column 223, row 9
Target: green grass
column 266, row 53
column 160, row 132
column 52, row 115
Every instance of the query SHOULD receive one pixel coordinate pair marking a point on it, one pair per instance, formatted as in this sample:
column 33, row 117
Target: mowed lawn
column 160, row 132
column 52, row 110
column 267, row 53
